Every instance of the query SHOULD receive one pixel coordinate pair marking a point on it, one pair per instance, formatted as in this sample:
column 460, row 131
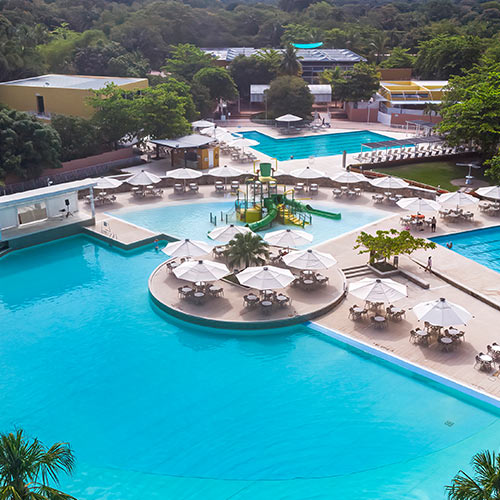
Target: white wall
column 8, row 217
column 384, row 118
column 55, row 205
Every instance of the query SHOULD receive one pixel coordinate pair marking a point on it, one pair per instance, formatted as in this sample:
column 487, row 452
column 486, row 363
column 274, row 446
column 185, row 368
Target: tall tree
column 27, row 467
column 483, row 485
column 357, row 84
column 289, row 94
column 399, row 58
column 186, row 60
column 471, row 109
column 290, row 64
column 251, row 70
column 218, row 81
column 27, row 145
column 379, row 45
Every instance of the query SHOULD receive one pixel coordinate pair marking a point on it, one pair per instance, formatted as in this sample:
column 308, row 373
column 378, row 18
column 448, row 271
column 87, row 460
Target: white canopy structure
column 184, row 174
column 201, row 270
column 492, row 192
column 265, row 277
column 202, row 124
column 288, row 118
column 348, row 177
column 108, row 183
column 442, row 313
column 309, row 259
column 378, row 290
column 143, row 178
column 289, row 238
column 225, row 234
column 388, row 182
column 243, row 142
column 418, row 204
column 307, row 173
column 187, row 248
column 457, row 199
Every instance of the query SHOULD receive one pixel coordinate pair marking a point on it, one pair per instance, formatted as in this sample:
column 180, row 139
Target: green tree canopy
column 218, row 81
column 246, row 250
column 186, row 60
column 290, row 62
column 471, row 109
column 27, row 468
column 356, row 84
column 27, row 146
column 289, row 94
column 484, row 484
column 399, row 58
column 493, row 170
column 386, row 244
column 251, row 70
column 79, row 137
column 444, row 56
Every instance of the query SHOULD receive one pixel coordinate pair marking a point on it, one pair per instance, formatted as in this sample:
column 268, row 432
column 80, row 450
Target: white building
column 321, row 93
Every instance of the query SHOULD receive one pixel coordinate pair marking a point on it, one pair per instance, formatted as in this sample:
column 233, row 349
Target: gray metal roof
column 307, row 55
column 258, row 89
column 72, row 81
column 188, row 141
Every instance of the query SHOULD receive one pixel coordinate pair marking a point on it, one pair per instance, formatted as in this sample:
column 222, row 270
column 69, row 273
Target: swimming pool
column 480, row 245
column 193, row 220
column 158, row 408
column 313, row 145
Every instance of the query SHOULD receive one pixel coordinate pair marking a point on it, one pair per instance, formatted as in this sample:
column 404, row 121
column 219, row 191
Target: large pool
column 157, row 409
column 481, row 245
column 193, row 220
column 313, row 145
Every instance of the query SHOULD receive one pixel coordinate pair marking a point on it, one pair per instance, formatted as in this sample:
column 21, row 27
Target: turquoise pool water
column 314, row 145
column 193, row 220
column 481, row 245
column 160, row 409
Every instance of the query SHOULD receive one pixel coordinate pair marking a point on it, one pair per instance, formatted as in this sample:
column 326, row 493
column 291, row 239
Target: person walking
column 429, row 264
column 433, row 224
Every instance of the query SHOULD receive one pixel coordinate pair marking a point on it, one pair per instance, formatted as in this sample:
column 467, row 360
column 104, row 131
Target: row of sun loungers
column 192, row 187
column 144, row 192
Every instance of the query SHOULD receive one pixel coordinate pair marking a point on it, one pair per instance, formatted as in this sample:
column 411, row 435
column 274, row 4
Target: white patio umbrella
column 201, row 270
column 307, row 173
column 184, row 174
column 418, row 204
column 219, row 133
column 492, row 192
column 243, row 142
column 378, row 290
column 225, row 172
column 265, row 277
column 107, row 183
column 143, row 178
column 348, row 177
column 289, row 238
column 226, row 233
column 202, row 124
column 388, row 182
column 440, row 312
column 309, row 259
column 457, row 199
column 288, row 119
column 187, row 248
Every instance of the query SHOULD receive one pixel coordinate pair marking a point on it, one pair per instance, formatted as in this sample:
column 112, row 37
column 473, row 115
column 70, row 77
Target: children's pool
column 193, row 220
column 156, row 409
column 480, row 245
column 313, row 145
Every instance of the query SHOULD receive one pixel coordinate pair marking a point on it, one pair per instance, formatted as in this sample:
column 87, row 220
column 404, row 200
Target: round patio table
column 266, row 304
column 282, row 299
column 358, row 310
column 396, row 310
column 446, row 340
column 379, row 319
column 251, row 299
column 308, row 282
column 495, row 348
column 198, row 296
column 486, row 357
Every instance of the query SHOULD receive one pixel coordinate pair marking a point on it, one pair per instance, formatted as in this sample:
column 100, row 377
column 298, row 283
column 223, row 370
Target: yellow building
column 46, row 95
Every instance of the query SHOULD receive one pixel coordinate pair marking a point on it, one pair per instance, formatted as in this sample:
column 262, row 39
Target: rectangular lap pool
column 481, row 245
column 314, row 145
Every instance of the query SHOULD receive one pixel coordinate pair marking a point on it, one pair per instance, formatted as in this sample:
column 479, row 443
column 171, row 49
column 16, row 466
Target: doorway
column 40, row 105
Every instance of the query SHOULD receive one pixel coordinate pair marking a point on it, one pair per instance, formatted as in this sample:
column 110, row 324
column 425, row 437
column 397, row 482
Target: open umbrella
column 457, row 199
column 265, row 277
column 226, row 233
column 347, row 177
column 187, row 248
column 143, row 178
column 492, row 192
column 418, row 204
column 440, row 312
column 288, row 119
column 184, row 174
column 243, row 142
column 202, row 124
column 307, row 173
column 378, row 290
column 388, row 182
column 225, row 172
column 219, row 134
column 201, row 270
column 289, row 238
column 309, row 259
column 107, row 183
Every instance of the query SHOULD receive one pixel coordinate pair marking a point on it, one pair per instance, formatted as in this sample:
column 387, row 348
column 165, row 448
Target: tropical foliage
column 484, row 484
column 289, row 94
column 385, row 244
column 28, row 468
column 290, row 62
column 356, row 84
column 246, row 250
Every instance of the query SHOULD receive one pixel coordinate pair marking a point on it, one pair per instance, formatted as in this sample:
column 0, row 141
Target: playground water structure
column 313, row 145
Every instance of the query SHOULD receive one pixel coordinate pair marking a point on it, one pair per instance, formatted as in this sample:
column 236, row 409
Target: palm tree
column 485, row 485
column 27, row 467
column 379, row 45
column 290, row 64
column 247, row 249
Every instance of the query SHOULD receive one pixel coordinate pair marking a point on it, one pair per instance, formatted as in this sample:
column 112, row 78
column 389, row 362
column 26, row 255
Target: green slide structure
column 272, row 213
column 310, row 210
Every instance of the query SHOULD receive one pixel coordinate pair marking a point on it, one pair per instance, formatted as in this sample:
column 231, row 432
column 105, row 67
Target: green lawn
column 436, row 173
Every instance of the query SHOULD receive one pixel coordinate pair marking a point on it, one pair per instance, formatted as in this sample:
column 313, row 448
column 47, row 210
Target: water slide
column 272, row 213
column 310, row 210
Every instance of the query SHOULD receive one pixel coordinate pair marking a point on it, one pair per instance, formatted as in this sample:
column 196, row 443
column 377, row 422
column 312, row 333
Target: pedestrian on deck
column 433, row 224
column 429, row 264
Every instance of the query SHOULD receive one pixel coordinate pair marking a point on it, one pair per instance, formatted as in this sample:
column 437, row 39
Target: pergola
column 419, row 125
column 395, row 143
